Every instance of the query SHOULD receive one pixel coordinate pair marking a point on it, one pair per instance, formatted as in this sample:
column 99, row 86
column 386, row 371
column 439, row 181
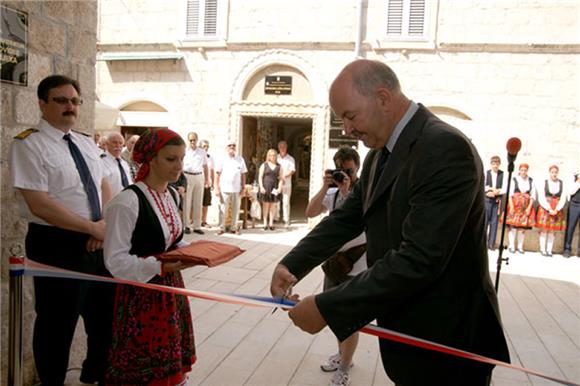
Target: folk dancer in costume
column 153, row 341
column 550, row 217
column 494, row 191
column 521, row 213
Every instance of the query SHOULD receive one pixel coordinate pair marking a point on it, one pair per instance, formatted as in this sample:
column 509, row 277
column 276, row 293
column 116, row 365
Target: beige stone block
column 7, row 106
column 24, row 6
column 82, row 45
column 60, row 11
column 63, row 66
column 87, row 14
column 26, row 107
column 46, row 36
column 39, row 67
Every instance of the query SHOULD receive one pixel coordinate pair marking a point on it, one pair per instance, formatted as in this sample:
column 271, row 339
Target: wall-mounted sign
column 13, row 49
column 278, row 85
column 336, row 137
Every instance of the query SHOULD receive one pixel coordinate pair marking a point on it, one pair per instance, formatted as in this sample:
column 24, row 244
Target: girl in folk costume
column 521, row 214
column 153, row 340
column 270, row 179
column 550, row 214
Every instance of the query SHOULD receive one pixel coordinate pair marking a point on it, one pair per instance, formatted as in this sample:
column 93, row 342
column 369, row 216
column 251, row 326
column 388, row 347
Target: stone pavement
column 539, row 299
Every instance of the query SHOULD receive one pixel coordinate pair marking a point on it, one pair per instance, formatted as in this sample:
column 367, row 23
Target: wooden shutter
column 192, row 23
column 417, row 18
column 395, row 17
column 406, row 18
column 210, row 18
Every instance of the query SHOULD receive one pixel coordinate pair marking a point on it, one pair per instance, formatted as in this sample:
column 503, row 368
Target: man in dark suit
column 420, row 202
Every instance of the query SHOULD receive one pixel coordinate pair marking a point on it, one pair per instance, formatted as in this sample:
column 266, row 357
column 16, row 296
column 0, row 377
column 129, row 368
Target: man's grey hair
column 374, row 74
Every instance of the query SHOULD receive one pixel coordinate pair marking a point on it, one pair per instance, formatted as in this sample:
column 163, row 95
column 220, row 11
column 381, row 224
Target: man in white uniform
column 118, row 172
column 288, row 165
column 62, row 181
column 195, row 169
column 230, row 181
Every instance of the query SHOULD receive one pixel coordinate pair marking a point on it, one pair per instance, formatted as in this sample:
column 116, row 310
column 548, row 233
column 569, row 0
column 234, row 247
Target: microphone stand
column 500, row 257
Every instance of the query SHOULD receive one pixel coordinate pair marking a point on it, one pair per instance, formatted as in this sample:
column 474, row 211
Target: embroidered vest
column 147, row 238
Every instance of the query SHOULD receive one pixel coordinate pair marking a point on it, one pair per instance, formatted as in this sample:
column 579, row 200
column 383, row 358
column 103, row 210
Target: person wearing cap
column 230, row 181
column 62, row 180
column 195, row 169
column 153, row 340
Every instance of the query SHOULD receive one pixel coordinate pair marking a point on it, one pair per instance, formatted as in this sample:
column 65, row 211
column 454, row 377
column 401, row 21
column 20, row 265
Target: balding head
column 367, row 96
column 115, row 144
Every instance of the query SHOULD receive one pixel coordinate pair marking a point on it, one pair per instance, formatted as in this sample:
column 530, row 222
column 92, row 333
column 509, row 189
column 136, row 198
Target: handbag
column 337, row 266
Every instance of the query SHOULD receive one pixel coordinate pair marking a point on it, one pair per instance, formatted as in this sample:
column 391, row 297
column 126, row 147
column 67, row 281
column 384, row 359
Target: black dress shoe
column 198, row 231
column 521, row 251
column 566, row 254
column 187, row 230
column 543, row 253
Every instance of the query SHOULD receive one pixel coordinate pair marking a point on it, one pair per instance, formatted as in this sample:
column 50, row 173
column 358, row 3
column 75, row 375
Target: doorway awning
column 105, row 116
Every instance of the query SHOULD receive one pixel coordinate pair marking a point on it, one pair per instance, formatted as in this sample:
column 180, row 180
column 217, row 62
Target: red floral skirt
column 153, row 341
column 516, row 216
column 548, row 222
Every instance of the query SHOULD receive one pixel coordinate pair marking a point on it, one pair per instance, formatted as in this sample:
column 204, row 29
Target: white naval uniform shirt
column 114, row 174
column 42, row 162
column 121, row 215
column 194, row 160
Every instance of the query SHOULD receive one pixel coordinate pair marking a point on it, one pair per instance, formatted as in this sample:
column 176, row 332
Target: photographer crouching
column 350, row 260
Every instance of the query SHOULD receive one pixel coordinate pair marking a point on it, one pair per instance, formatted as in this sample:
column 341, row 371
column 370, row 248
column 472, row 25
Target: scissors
column 283, row 299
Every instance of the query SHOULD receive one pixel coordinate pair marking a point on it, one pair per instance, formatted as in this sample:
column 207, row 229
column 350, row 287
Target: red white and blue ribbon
column 20, row 265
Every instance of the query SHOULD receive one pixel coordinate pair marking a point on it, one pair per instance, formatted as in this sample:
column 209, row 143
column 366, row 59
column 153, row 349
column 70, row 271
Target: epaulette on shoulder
column 25, row 133
column 82, row 133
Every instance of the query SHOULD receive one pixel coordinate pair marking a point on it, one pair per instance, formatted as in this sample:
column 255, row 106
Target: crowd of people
column 539, row 204
column 403, row 244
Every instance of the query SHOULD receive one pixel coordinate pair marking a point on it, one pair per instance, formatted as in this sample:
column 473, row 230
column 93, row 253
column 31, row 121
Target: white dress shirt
column 43, row 162
column 121, row 217
column 288, row 164
column 194, row 160
column 114, row 174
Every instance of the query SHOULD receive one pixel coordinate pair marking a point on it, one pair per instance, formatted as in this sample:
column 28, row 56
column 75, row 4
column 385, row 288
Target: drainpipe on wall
column 359, row 27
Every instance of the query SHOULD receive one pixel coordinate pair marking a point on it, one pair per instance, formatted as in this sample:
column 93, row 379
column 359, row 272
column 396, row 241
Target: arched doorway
column 138, row 116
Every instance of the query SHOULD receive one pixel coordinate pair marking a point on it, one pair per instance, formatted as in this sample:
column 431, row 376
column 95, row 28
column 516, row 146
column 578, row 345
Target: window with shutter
column 406, row 19
column 202, row 19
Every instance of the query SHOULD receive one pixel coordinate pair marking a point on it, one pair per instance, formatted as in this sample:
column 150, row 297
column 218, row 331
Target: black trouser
column 573, row 218
column 491, row 221
column 59, row 302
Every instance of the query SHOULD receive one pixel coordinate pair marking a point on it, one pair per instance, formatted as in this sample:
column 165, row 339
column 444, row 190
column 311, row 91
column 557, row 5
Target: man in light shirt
column 288, row 168
column 195, row 169
column 230, row 181
column 63, row 182
column 119, row 174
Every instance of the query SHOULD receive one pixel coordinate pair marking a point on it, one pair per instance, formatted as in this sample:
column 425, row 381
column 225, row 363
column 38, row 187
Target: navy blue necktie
column 385, row 153
column 124, row 180
column 86, row 178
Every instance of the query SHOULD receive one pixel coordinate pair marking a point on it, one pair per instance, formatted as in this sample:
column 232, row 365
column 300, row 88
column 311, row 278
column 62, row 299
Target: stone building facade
column 62, row 38
column 494, row 69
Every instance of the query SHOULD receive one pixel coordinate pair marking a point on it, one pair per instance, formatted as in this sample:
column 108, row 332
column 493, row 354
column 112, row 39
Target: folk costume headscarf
column 148, row 146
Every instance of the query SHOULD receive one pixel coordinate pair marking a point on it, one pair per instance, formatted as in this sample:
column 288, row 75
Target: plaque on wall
column 13, row 50
column 278, row 85
column 336, row 136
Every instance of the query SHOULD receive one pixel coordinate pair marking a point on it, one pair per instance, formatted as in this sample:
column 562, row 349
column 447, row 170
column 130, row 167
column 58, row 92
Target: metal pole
column 359, row 26
column 500, row 259
column 15, row 357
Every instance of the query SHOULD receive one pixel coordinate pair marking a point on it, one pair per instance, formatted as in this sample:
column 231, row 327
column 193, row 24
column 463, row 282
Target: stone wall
column 61, row 39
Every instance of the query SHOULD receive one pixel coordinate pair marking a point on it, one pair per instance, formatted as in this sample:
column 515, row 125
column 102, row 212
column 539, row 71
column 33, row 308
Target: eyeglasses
column 192, row 140
column 65, row 100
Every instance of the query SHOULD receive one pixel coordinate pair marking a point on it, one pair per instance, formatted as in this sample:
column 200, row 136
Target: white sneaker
column 340, row 378
column 332, row 364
